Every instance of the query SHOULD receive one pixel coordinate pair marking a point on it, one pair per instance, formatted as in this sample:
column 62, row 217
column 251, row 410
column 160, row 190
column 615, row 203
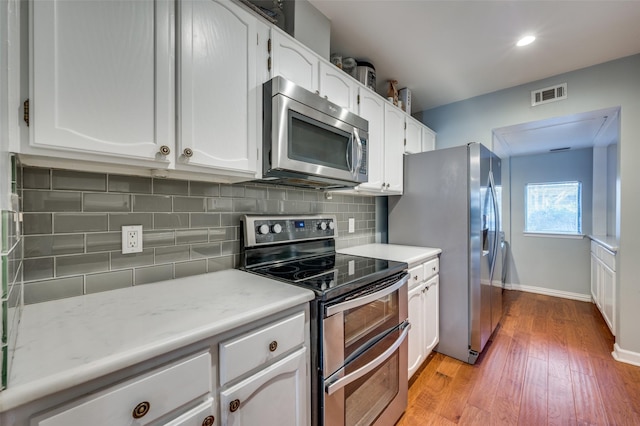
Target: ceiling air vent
column 549, row 94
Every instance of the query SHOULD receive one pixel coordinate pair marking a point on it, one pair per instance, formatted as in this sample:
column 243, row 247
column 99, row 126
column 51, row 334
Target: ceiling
column 446, row 51
column 595, row 128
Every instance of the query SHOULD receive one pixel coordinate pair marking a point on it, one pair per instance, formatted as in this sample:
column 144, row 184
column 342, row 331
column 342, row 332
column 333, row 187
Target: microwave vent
column 549, row 94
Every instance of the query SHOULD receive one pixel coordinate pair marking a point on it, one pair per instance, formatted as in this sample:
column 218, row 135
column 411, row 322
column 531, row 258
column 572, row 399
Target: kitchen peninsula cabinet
column 603, row 282
column 204, row 349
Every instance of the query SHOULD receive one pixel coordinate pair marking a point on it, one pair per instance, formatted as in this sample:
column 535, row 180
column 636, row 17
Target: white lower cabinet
column 255, row 374
column 275, row 395
column 142, row 400
column 423, row 312
column 603, row 283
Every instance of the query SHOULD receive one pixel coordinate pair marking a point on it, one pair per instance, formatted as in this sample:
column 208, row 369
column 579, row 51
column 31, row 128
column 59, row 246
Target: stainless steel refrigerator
column 451, row 200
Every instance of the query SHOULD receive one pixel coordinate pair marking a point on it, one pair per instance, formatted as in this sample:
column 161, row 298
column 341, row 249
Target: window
column 553, row 208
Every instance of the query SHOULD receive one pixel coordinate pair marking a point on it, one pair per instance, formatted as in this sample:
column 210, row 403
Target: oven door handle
column 349, row 304
column 344, row 381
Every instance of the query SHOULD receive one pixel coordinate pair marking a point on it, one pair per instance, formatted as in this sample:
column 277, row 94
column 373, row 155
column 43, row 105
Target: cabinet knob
column 234, row 405
column 164, row 150
column 208, row 421
column 326, row 97
column 317, row 92
column 141, row 410
column 382, row 185
column 415, row 278
column 187, row 152
column 388, row 185
column 273, row 346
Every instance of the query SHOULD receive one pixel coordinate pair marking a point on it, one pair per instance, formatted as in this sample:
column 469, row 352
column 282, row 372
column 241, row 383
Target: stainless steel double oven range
column 358, row 321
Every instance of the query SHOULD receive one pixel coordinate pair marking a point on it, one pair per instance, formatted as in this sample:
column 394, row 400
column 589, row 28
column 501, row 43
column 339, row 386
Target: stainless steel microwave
column 309, row 141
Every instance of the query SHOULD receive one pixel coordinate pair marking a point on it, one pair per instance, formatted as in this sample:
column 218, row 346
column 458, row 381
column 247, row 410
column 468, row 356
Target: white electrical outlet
column 352, row 225
column 131, row 239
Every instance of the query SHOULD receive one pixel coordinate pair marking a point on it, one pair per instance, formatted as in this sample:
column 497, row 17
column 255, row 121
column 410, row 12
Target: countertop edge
column 11, row 398
column 412, row 255
column 607, row 241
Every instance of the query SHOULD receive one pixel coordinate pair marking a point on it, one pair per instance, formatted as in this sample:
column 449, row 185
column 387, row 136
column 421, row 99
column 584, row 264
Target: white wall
column 612, row 188
column 554, row 263
column 612, row 84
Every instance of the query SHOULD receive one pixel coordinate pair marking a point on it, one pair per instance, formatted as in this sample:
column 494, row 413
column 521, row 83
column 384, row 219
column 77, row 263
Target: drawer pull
column 208, row 421
column 164, row 150
column 273, row 346
column 234, row 405
column 141, row 410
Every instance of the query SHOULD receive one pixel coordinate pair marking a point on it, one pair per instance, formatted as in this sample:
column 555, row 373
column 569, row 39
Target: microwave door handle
column 349, row 154
column 353, row 303
column 331, row 388
column 358, row 162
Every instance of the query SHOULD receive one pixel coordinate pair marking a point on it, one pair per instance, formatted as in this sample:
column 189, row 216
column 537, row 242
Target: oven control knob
column 322, row 226
column 277, row 228
column 332, row 225
column 263, row 229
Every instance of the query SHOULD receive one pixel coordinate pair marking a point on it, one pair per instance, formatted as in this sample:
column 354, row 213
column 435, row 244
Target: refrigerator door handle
column 494, row 249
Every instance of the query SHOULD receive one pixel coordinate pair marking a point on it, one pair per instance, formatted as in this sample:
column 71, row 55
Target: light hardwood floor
column 548, row 363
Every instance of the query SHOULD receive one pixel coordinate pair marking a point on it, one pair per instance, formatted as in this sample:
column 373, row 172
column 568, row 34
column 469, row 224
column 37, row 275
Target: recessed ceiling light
column 525, row 40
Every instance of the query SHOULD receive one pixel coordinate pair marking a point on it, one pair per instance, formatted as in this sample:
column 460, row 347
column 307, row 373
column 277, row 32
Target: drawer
column 162, row 391
column 416, row 276
column 431, row 268
column 607, row 257
column 252, row 349
column 203, row 414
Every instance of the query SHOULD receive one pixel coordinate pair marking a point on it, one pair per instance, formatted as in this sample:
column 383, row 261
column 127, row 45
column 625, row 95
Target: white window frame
column 554, row 233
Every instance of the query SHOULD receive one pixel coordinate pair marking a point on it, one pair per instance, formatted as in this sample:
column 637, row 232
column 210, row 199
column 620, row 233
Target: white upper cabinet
column 412, row 136
column 293, row 61
column 102, row 77
column 218, row 103
column 393, row 148
column 428, row 139
column 338, row 87
column 371, row 108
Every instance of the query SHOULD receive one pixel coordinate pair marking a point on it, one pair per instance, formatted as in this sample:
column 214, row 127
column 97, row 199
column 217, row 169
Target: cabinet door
column 371, row 108
column 393, row 148
column 218, row 87
column 416, row 333
column 276, row 395
column 432, row 314
column 293, row 61
column 428, row 139
column 102, row 79
column 594, row 280
column 338, row 87
column 607, row 297
column 412, row 136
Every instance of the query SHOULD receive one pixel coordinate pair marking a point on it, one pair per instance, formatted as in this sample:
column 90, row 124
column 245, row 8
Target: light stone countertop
column 68, row 342
column 413, row 255
column 607, row 241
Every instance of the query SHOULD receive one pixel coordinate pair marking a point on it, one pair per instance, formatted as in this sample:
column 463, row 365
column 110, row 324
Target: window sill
column 554, row 235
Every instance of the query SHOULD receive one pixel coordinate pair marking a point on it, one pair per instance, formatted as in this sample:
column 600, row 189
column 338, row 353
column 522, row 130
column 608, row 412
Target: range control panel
column 259, row 230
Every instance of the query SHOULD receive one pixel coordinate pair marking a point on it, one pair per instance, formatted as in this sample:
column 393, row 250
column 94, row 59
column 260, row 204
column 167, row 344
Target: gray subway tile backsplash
column 82, row 181
column 51, row 201
column 118, row 220
column 53, row 245
column 130, row 184
column 74, row 234
column 60, row 288
column 105, row 281
column 152, row 274
column 81, row 264
column 79, row 222
column 106, row 202
column 152, row 203
column 37, row 223
column 193, row 267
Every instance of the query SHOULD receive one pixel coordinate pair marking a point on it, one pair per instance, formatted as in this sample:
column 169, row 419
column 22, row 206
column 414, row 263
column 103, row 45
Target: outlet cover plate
column 131, row 239
column 352, row 225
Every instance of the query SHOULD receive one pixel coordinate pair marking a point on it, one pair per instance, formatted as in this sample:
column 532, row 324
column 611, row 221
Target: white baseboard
column 549, row 292
column 623, row 355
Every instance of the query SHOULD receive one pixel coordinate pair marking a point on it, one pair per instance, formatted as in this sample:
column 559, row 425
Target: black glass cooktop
column 332, row 275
